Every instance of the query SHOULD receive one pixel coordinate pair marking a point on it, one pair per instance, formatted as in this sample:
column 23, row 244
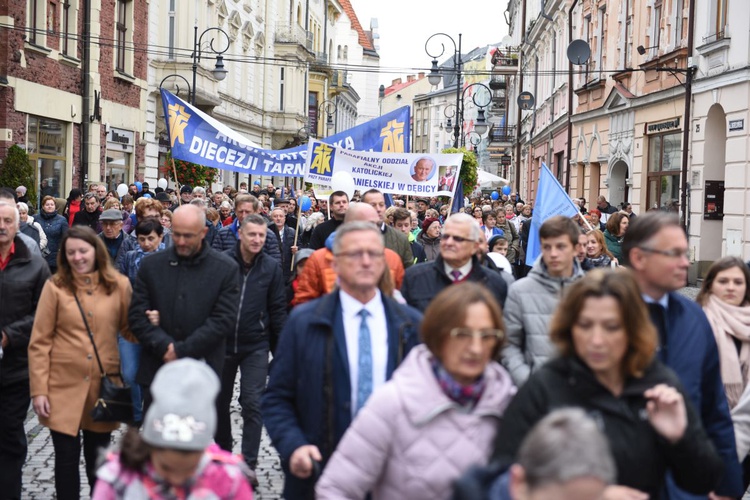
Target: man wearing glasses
column 456, row 263
column 333, row 353
column 533, row 299
column 656, row 249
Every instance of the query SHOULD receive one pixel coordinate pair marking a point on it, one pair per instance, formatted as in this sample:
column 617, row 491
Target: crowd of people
column 391, row 348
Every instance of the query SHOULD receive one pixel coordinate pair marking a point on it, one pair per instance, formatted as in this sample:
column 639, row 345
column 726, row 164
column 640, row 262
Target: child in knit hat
column 174, row 457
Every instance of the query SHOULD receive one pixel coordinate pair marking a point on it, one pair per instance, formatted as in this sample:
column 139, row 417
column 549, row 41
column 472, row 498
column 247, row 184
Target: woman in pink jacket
column 437, row 416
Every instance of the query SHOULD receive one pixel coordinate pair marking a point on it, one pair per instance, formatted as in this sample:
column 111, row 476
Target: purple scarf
column 464, row 395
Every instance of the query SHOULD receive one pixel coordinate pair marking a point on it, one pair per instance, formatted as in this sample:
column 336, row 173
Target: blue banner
column 551, row 199
column 198, row 138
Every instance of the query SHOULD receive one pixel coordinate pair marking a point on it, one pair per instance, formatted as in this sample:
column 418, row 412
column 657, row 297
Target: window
column 679, row 7
column 721, row 18
column 664, row 163
column 281, row 88
column 36, row 22
column 600, row 40
column 46, row 142
column 171, row 42
column 587, row 37
column 554, row 60
column 123, row 36
column 628, row 6
column 656, row 32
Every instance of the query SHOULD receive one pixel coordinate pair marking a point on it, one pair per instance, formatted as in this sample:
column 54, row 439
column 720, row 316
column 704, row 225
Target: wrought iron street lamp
column 329, row 107
column 434, row 77
column 219, row 72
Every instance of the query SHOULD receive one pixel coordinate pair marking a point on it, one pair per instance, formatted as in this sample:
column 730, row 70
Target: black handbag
column 115, row 403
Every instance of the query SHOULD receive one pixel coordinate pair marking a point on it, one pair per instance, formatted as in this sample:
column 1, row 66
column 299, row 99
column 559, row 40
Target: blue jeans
column 253, row 368
column 130, row 360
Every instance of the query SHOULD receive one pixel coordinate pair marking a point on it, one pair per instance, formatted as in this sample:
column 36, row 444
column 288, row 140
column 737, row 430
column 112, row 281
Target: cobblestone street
column 39, row 478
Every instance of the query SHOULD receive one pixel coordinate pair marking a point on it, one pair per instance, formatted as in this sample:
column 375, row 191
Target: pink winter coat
column 410, row 440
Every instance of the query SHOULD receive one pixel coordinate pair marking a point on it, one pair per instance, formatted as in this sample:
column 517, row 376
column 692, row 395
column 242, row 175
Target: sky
column 405, row 26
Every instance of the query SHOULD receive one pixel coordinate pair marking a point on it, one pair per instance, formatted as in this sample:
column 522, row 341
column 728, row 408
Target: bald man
column 196, row 292
column 318, row 277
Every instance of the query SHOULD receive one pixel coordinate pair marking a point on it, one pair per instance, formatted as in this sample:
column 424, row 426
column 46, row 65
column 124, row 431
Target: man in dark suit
column 656, row 249
column 333, row 353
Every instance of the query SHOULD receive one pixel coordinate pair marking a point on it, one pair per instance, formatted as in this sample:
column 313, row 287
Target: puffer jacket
column 614, row 244
column 54, row 226
column 411, row 441
column 528, row 309
column 262, row 306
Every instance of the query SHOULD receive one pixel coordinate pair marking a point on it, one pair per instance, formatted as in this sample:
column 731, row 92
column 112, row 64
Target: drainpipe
column 86, row 90
column 570, row 98
column 686, row 125
column 520, row 89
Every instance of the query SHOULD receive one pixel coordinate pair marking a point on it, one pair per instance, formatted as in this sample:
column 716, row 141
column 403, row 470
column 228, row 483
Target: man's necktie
column 364, row 378
column 456, row 274
column 659, row 319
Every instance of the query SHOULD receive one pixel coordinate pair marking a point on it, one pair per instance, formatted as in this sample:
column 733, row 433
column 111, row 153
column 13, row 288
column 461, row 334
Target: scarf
column 728, row 323
column 602, row 261
column 464, row 395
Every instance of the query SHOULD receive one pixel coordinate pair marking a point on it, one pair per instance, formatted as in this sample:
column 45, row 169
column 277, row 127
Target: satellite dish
column 525, row 100
column 507, row 41
column 579, row 52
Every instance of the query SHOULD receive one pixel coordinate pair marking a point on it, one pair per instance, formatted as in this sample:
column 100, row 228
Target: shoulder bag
column 115, row 403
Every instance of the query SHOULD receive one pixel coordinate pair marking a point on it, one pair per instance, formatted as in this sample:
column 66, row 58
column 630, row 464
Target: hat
column 186, row 189
column 112, row 215
column 302, row 254
column 22, row 190
column 281, row 201
column 183, row 414
column 144, row 185
column 163, row 197
column 428, row 222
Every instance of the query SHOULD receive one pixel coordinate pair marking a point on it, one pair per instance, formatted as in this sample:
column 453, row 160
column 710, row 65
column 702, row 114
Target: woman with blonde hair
column 80, row 312
column 607, row 367
column 597, row 253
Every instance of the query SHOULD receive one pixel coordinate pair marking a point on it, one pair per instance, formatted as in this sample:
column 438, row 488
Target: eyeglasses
column 360, row 254
column 457, row 239
column 675, row 253
column 466, row 335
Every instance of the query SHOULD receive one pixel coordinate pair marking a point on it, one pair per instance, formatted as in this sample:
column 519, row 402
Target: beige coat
column 62, row 364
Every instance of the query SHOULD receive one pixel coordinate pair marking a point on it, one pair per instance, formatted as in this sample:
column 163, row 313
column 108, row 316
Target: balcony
column 500, row 135
column 294, row 37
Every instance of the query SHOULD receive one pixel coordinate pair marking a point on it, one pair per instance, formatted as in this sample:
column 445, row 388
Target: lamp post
column 219, row 71
column 175, row 75
column 330, row 109
column 434, row 77
column 473, row 138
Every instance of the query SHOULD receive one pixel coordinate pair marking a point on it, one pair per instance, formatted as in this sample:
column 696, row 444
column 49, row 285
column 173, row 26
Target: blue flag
column 551, row 199
column 458, row 197
column 199, row 138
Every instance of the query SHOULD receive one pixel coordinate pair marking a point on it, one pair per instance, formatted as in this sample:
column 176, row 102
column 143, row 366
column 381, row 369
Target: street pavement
column 38, row 475
column 39, row 471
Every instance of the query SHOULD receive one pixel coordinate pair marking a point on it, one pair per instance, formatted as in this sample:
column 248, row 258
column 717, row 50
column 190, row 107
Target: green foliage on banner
column 469, row 166
column 16, row 170
column 190, row 174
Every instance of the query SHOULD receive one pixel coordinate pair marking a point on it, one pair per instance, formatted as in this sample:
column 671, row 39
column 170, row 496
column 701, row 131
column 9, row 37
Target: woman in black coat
column 607, row 367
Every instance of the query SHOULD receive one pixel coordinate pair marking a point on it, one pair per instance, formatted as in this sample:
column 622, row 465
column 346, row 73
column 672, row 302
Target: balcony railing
column 503, row 134
column 293, row 33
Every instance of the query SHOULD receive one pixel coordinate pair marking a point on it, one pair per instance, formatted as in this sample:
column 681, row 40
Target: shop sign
column 121, row 140
column 666, row 126
column 736, row 125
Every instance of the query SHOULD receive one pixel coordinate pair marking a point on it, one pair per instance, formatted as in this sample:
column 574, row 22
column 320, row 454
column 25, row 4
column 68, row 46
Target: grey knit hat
column 183, row 414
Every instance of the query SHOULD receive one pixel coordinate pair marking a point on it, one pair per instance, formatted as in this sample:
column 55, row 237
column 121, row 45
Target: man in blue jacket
column 333, row 353
column 656, row 249
column 226, row 238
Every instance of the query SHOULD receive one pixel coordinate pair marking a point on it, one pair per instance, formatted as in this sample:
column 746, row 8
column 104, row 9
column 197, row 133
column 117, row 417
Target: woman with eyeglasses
column 607, row 367
column 439, row 413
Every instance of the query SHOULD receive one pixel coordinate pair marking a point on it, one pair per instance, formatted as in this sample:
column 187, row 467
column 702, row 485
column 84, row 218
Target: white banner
column 413, row 174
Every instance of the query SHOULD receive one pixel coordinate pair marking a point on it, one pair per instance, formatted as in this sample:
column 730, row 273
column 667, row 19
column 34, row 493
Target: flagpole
column 174, row 171
column 296, row 230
